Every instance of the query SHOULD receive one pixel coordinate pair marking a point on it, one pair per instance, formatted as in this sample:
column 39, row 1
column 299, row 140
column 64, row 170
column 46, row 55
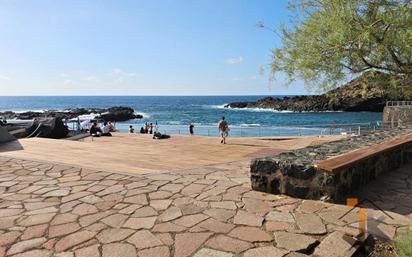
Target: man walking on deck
column 223, row 130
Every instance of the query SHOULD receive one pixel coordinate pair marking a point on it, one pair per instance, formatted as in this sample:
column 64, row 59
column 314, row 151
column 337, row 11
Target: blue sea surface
column 174, row 113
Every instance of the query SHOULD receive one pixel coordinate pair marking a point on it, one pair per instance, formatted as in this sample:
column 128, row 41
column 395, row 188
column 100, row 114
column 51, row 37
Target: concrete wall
column 397, row 115
column 279, row 177
column 5, row 136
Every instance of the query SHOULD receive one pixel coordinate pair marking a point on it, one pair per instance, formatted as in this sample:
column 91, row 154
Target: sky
column 139, row 47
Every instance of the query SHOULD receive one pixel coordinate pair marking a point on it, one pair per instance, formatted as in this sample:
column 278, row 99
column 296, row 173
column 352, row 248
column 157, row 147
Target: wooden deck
column 345, row 160
column 140, row 153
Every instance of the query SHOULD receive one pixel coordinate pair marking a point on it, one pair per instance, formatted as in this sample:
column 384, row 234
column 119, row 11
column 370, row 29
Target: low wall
column 5, row 136
column 295, row 173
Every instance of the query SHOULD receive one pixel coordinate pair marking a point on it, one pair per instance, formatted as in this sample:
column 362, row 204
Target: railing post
column 208, row 132
column 358, row 130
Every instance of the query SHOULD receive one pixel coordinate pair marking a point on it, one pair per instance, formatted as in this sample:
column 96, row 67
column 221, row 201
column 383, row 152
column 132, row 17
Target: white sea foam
column 145, row 115
column 221, row 106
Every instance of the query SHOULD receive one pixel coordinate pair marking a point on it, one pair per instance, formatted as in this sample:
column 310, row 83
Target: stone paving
column 57, row 210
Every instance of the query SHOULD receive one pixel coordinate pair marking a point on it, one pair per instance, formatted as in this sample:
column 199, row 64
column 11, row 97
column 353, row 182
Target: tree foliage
column 328, row 40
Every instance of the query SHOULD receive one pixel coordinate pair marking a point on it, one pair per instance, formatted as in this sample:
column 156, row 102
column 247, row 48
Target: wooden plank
column 345, row 160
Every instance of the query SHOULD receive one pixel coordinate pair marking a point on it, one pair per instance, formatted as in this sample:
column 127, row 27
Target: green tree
column 328, row 40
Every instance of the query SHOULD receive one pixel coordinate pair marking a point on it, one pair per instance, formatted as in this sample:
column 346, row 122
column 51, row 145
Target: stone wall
column 397, row 115
column 295, row 174
column 5, row 136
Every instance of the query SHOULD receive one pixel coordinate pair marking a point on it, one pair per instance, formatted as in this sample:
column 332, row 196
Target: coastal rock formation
column 117, row 113
column 358, row 95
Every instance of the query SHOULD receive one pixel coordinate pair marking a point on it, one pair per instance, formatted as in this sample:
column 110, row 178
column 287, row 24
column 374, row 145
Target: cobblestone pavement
column 56, row 210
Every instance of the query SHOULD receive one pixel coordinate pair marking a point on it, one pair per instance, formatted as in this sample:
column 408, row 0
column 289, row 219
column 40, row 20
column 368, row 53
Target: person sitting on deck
column 106, row 130
column 158, row 135
column 111, row 127
column 95, row 131
column 131, row 129
column 142, row 131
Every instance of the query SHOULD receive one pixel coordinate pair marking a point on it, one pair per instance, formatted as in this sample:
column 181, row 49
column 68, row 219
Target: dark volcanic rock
column 355, row 96
column 118, row 113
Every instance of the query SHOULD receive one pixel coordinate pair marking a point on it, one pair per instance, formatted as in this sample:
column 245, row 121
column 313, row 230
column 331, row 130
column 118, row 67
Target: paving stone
column 256, row 206
column 64, row 254
column 166, row 238
column 310, row 223
column 295, row 254
column 170, row 214
column 250, row 234
column 220, row 214
column 89, row 251
column 63, row 218
column 216, row 226
column 73, row 239
column 144, row 239
column 228, row 244
column 280, row 217
column 160, row 204
column 111, row 190
column 84, row 209
column 294, row 242
column 35, row 253
column 139, row 223
column 9, row 237
column 10, row 212
column 229, row 205
column 129, row 209
column 111, row 235
column 59, row 192
column 265, row 251
column 26, row 245
column 168, row 227
column 119, row 250
column 206, row 252
column 336, row 244
column 248, row 219
column 279, row 226
column 190, row 220
column 160, row 195
column 161, row 251
column 90, row 219
column 115, row 220
column 311, row 206
column 137, row 199
column 186, row 244
column 145, row 212
column 63, row 229
column 37, row 219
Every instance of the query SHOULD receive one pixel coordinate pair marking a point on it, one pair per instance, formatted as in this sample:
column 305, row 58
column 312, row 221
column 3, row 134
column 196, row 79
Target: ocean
column 173, row 114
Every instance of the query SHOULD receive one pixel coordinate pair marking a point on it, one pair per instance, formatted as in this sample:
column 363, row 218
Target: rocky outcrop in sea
column 358, row 95
column 117, row 113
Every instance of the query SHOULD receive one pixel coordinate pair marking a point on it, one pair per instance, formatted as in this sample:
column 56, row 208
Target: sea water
column 173, row 114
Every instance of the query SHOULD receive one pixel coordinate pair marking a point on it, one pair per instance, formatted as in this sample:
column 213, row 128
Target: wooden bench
column 346, row 160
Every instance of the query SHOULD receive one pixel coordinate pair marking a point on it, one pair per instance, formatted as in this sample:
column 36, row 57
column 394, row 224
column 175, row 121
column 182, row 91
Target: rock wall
column 397, row 115
column 295, row 173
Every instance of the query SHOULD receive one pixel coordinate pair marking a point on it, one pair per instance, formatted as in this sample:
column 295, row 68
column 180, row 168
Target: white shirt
column 106, row 129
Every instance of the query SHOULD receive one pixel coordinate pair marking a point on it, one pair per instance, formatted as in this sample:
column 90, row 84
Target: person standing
column 191, row 126
column 223, row 130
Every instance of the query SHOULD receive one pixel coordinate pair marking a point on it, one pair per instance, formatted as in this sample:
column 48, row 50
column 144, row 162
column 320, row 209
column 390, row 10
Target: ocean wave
column 220, row 106
column 145, row 115
column 276, row 111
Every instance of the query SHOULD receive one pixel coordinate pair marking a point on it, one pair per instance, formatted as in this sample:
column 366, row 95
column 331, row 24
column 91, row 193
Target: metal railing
column 275, row 131
column 398, row 103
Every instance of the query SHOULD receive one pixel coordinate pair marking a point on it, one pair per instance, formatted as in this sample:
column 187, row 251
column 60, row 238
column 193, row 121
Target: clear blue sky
column 138, row 47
